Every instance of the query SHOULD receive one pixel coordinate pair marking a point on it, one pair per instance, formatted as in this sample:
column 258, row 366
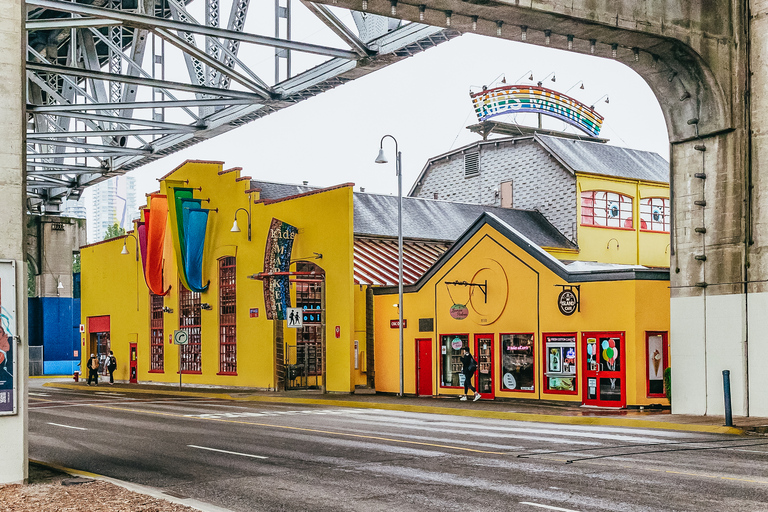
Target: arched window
column 655, row 214
column 606, row 209
column 156, row 333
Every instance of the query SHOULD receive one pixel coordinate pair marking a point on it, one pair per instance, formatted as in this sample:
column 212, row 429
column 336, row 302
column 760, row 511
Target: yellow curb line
column 514, row 416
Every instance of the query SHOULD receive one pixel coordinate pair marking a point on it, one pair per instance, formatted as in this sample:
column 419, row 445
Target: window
column 450, row 359
column 517, row 371
column 227, row 317
column 560, row 363
column 606, row 209
column 189, row 320
column 654, row 214
column 309, row 338
column 656, row 359
column 156, row 345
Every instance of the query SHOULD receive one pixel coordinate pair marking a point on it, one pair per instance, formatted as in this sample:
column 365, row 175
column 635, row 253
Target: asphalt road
column 271, row 457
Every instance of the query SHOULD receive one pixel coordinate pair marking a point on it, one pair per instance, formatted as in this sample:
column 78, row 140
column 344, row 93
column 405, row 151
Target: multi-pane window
column 606, row 209
column 227, row 316
column 156, row 333
column 309, row 338
column 189, row 320
column 654, row 214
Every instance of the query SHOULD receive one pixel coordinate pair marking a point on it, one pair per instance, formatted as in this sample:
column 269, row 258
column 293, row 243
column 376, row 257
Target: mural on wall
column 7, row 333
column 277, row 261
column 513, row 99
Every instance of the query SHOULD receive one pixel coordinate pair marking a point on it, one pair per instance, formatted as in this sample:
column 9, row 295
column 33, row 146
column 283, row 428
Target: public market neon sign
column 511, row 99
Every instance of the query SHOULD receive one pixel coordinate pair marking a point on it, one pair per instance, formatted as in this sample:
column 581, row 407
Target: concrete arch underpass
column 702, row 60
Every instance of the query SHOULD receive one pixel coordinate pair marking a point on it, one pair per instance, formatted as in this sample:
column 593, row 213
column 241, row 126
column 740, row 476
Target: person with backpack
column 469, row 366
column 93, row 369
column 111, row 366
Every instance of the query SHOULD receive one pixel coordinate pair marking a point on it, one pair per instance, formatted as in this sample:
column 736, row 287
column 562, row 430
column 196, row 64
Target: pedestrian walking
column 93, row 370
column 469, row 366
column 111, row 366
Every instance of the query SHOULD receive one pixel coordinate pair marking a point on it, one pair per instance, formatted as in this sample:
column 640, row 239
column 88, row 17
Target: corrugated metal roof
column 375, row 260
column 598, row 158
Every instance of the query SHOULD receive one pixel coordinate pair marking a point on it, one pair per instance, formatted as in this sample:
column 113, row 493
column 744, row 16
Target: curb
column 140, row 489
column 431, row 409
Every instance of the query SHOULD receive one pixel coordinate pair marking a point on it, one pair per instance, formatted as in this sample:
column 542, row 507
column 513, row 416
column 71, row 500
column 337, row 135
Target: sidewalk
column 517, row 410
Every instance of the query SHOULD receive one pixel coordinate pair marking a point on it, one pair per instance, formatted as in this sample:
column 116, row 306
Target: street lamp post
column 381, row 159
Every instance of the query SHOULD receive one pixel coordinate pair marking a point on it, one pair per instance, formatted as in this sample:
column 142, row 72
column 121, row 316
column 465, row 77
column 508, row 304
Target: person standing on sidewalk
column 469, row 365
column 93, row 370
column 111, row 366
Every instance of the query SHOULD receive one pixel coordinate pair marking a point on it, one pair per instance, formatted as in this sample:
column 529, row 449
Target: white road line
column 108, row 393
column 39, row 394
column 67, row 426
column 225, row 451
column 547, row 507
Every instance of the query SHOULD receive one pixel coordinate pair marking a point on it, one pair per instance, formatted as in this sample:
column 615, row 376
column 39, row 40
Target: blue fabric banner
column 195, row 224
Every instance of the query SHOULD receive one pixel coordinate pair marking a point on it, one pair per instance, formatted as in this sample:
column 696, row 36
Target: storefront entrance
column 133, row 376
column 484, row 351
column 424, row 367
column 604, row 369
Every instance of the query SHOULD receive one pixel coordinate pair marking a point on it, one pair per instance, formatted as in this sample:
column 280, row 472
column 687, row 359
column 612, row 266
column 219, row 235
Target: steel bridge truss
column 98, row 106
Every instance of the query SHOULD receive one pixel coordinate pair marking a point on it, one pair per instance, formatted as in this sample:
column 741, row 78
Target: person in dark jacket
column 111, row 366
column 469, row 366
column 93, row 370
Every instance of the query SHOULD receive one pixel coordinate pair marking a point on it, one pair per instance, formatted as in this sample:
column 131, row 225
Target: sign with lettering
column 395, row 324
column 8, row 335
column 459, row 311
column 567, row 302
column 277, row 260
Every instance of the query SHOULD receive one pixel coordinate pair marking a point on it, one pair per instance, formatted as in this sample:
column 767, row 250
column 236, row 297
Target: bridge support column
column 13, row 428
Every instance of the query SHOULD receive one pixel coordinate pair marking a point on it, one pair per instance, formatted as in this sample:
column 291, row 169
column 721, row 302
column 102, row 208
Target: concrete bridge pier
column 13, row 428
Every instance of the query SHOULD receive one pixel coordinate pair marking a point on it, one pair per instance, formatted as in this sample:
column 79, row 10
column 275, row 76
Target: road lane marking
column 226, row 451
column 108, row 393
column 549, row 507
column 301, row 429
column 38, row 394
column 67, row 426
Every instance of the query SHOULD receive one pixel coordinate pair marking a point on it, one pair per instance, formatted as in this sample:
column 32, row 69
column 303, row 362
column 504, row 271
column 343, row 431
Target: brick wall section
column 539, row 181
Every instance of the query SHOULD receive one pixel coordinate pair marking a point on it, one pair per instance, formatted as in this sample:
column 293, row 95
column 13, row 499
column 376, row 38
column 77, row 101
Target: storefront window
column 560, row 363
column 450, row 350
column 517, row 362
column 656, row 357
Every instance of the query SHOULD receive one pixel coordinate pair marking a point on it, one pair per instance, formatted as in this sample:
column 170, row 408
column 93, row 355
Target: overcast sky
column 424, row 102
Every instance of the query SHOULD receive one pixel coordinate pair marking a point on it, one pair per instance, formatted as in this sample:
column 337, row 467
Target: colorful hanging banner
column 176, row 194
column 277, row 260
column 141, row 232
column 8, row 330
column 511, row 99
column 155, row 226
column 196, row 221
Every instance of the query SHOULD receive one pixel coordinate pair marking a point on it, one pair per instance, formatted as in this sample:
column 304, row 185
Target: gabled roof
column 577, row 274
column 597, row 158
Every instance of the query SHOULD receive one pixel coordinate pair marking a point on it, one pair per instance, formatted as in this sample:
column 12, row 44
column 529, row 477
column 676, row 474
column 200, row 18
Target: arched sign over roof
column 531, row 99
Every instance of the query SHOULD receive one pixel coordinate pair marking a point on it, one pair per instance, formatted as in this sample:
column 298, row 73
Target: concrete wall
column 13, row 429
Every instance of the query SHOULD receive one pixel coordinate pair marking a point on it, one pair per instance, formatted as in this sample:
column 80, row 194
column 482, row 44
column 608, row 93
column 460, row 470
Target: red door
column 424, row 367
column 484, row 351
column 133, row 379
column 604, row 369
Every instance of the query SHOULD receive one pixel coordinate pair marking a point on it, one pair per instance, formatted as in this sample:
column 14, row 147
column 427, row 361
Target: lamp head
column 381, row 159
column 235, row 227
column 125, row 249
column 60, row 286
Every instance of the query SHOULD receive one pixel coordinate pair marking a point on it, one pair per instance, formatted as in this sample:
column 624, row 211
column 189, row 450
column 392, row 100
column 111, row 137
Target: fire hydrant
column 76, row 376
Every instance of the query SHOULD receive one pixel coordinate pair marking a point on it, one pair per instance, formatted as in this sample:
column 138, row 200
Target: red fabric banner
column 153, row 271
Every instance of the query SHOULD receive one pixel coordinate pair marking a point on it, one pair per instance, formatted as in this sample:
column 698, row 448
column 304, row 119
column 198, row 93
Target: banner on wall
column 8, row 370
column 277, row 261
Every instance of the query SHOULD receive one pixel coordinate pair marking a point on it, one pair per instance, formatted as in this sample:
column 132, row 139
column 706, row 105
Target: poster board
column 8, row 337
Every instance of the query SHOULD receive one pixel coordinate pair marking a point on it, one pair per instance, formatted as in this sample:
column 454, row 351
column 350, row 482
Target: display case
column 560, row 363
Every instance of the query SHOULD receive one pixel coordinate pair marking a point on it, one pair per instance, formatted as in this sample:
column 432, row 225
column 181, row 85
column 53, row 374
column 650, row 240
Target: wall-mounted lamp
column 592, row 43
column 448, row 15
column 614, row 50
column 136, row 245
column 474, row 23
column 206, row 306
column 422, row 12
column 579, row 83
column 607, row 100
column 393, row 7
column 609, row 243
column 236, row 228
column 547, row 37
column 529, row 73
column 59, row 286
column 498, row 28
column 365, row 5
column 552, row 74
column 166, row 309
column 523, row 33
column 570, row 42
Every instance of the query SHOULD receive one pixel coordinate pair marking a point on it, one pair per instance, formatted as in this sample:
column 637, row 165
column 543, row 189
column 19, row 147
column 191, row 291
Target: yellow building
column 589, row 333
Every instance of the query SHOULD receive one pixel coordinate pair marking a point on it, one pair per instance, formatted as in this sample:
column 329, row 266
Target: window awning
column 376, row 260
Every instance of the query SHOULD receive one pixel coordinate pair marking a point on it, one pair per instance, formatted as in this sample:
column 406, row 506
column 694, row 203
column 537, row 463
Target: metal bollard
column 727, row 396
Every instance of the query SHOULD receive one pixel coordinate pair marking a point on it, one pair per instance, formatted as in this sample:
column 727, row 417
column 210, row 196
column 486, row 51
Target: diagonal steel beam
column 150, row 22
column 339, row 28
column 66, row 23
column 85, row 145
column 127, row 121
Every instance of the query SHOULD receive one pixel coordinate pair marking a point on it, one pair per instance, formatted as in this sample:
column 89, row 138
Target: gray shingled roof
column 598, row 158
column 376, row 215
column 279, row 190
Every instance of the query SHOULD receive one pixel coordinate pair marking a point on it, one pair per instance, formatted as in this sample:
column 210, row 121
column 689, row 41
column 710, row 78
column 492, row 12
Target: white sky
column 424, row 102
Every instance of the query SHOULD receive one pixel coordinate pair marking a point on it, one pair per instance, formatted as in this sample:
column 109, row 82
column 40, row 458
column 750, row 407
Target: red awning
column 376, row 260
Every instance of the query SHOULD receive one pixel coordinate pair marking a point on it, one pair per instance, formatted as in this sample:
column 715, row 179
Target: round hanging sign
column 509, row 381
column 456, row 343
column 567, row 302
column 459, row 311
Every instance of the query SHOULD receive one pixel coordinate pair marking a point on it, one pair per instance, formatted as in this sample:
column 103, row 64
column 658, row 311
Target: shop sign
column 509, row 381
column 254, row 312
column 395, row 324
column 456, row 344
column 567, row 302
column 459, row 311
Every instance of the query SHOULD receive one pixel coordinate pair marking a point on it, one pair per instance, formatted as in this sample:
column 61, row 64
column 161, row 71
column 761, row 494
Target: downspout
column 748, row 240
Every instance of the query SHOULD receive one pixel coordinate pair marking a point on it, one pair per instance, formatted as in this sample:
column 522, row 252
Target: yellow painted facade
column 522, row 298
column 113, row 285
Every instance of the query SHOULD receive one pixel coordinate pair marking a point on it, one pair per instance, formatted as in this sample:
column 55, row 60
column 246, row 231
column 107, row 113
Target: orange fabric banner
column 158, row 216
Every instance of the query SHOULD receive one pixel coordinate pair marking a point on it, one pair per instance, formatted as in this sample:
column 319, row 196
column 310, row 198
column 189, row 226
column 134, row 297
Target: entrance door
column 133, row 375
column 484, row 351
column 604, row 369
column 424, row 367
